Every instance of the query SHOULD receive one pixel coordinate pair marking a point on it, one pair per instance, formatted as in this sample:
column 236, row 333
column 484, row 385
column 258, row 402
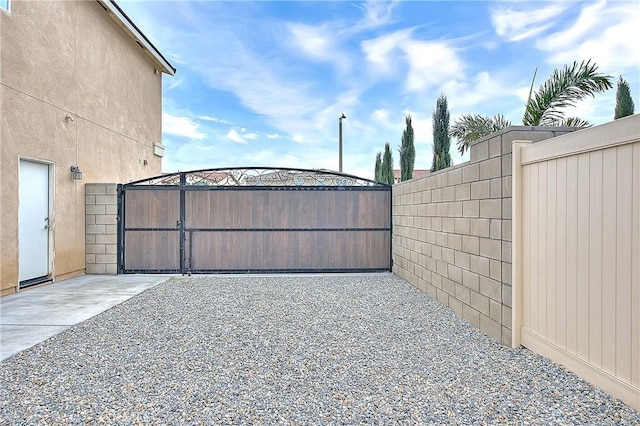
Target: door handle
column 46, row 223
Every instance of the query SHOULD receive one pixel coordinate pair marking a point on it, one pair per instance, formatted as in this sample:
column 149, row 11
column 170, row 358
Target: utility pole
column 340, row 142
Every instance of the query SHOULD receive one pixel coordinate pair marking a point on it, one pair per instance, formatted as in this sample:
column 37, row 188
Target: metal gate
column 254, row 220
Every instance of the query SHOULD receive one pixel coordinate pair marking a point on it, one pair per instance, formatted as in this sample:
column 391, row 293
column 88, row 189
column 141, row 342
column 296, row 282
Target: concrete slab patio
column 34, row 315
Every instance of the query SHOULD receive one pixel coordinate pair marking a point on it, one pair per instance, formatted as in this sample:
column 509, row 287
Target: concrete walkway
column 34, row 315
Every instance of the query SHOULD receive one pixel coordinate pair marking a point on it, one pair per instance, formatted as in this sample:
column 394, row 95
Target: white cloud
column 274, row 92
column 241, row 137
column 214, row 119
column 602, row 33
column 329, row 40
column 324, row 42
column 464, row 94
column 315, row 42
column 250, row 136
column 431, row 63
column 380, row 117
column 234, row 136
column 181, row 126
column 516, row 25
column 187, row 156
column 273, row 136
column 376, row 13
column 380, row 51
column 171, row 83
column 582, row 26
column 227, row 59
column 321, row 43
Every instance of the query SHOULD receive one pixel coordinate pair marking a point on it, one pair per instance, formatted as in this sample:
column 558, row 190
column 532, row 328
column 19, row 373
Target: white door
column 33, row 221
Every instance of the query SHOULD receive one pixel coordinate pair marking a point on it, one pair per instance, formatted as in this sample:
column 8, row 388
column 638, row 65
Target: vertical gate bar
column 390, row 228
column 190, row 252
column 183, row 183
column 121, row 226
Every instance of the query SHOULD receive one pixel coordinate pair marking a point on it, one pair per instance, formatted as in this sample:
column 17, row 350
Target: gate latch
column 178, row 223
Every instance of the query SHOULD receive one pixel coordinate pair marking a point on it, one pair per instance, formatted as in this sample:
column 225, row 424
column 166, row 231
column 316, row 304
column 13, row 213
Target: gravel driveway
column 290, row 350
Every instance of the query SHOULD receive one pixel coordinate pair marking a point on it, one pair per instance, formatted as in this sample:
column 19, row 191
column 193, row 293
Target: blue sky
column 263, row 83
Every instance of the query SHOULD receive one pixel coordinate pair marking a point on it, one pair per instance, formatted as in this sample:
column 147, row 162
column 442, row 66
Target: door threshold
column 34, row 281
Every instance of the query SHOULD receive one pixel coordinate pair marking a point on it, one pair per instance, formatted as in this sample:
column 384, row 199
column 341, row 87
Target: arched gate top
column 257, row 176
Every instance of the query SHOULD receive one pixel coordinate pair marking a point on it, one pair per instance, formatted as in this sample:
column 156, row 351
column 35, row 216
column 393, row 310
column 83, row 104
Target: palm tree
column 563, row 89
column 470, row 127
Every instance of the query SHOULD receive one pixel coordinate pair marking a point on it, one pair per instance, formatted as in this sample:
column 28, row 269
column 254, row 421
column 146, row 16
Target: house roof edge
column 121, row 18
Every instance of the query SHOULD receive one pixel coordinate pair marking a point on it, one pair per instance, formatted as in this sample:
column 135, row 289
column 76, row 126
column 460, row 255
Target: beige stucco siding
column 64, row 58
column 118, row 159
column 117, row 85
column 38, row 50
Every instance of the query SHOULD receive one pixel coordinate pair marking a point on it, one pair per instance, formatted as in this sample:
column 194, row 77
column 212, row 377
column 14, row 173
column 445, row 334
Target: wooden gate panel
column 151, row 230
column 152, row 208
column 281, row 209
column 152, row 251
column 251, row 251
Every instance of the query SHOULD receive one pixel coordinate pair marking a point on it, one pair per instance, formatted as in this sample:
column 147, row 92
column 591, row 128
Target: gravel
column 340, row 349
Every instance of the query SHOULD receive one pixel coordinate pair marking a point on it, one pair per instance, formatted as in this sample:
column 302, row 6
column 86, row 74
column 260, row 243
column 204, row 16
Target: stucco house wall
column 76, row 89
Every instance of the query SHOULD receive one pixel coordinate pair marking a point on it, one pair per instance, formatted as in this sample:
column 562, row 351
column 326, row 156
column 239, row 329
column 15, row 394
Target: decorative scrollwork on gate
column 255, row 176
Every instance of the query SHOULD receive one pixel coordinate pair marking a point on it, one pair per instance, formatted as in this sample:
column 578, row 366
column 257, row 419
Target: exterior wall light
column 76, row 173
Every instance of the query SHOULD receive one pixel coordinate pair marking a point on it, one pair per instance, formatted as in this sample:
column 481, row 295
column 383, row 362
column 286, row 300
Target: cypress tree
column 378, row 165
column 441, row 139
column 624, row 103
column 407, row 151
column 386, row 169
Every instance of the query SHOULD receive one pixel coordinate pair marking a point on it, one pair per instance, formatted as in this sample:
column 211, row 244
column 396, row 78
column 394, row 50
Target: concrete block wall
column 101, row 233
column 452, row 232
